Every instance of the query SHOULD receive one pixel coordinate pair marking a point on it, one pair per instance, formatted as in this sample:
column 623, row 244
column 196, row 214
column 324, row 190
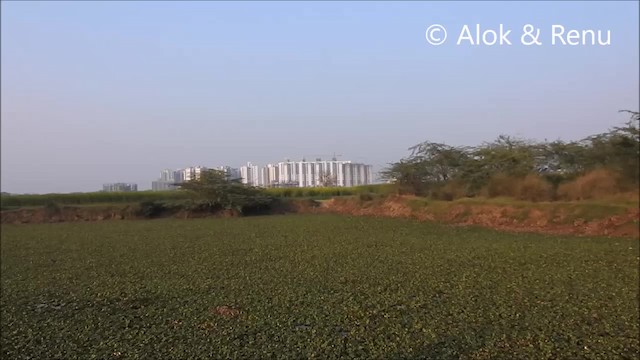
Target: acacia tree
column 441, row 162
column 431, row 165
column 618, row 149
column 215, row 190
column 409, row 174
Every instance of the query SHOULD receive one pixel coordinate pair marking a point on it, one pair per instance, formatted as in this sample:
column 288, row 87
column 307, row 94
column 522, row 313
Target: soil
column 93, row 213
column 501, row 217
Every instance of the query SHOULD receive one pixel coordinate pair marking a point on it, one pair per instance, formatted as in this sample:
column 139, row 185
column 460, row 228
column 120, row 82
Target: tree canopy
column 216, row 190
column 431, row 165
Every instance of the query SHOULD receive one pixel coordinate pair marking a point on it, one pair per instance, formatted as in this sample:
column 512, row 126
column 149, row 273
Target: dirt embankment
column 550, row 218
column 92, row 213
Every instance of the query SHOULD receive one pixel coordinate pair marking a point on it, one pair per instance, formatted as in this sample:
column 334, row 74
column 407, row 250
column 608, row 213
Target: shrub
column 366, row 197
column 52, row 208
column 534, row 188
column 151, row 209
column 91, row 198
column 502, row 185
column 450, row 191
column 592, row 185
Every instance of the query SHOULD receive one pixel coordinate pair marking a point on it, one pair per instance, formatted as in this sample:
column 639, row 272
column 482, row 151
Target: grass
column 313, row 286
column 19, row 201
column 572, row 210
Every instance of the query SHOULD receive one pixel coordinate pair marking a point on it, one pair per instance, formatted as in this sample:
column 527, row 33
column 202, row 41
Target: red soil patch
column 501, row 217
column 226, row 311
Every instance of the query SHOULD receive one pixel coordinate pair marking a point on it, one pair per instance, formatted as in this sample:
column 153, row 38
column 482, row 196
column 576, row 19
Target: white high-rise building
column 167, row 175
column 232, row 173
column 167, row 181
column 192, row 173
column 273, row 175
column 250, row 175
column 317, row 173
column 288, row 175
column 358, row 174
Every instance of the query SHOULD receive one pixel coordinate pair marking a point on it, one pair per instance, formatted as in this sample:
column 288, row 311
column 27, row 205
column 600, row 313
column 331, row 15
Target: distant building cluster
column 308, row 174
column 317, row 173
column 170, row 178
column 119, row 187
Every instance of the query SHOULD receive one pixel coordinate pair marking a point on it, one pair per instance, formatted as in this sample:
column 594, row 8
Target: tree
column 409, row 174
column 215, row 190
column 431, row 166
column 328, row 180
column 441, row 162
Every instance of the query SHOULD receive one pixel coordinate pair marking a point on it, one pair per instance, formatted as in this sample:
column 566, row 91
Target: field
column 313, row 286
column 90, row 198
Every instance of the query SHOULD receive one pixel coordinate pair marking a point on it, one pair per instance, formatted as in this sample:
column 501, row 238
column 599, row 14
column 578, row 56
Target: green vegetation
column 328, row 192
column 593, row 168
column 90, row 198
column 585, row 210
column 316, row 286
column 16, row 201
column 214, row 191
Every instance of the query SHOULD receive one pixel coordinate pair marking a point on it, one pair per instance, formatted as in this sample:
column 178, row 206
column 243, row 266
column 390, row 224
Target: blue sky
column 96, row 92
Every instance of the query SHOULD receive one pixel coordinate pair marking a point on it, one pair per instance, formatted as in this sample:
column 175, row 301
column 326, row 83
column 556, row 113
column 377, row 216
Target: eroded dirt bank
column 552, row 219
column 546, row 218
column 92, row 213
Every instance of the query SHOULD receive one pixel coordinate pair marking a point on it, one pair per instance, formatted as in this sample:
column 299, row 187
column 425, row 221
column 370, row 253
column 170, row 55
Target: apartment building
column 250, row 174
column 167, row 181
column 192, row 173
column 119, row 187
column 232, row 173
column 357, row 174
column 169, row 178
column 316, row 173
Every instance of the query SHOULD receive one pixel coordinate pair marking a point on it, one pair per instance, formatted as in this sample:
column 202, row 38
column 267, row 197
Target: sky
column 98, row 92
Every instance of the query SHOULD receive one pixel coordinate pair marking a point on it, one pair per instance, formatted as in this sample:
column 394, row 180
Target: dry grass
column 530, row 188
column 450, row 191
column 534, row 188
column 597, row 184
column 501, row 185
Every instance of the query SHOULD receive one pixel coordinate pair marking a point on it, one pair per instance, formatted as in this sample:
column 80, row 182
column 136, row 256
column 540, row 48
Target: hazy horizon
column 100, row 92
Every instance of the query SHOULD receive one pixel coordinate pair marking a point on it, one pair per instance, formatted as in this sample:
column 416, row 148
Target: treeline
column 598, row 166
column 88, row 198
column 14, row 201
column 215, row 192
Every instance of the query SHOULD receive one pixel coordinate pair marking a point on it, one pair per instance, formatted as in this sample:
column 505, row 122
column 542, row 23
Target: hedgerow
column 9, row 201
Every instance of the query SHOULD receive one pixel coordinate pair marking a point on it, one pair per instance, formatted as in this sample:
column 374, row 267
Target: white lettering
column 579, row 37
column 503, row 36
column 556, row 32
column 573, row 37
column 465, row 34
column 487, row 33
column 608, row 42
column 487, row 37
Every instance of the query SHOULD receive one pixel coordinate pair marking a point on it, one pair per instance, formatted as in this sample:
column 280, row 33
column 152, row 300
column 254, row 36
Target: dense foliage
column 495, row 168
column 213, row 190
column 9, row 201
column 324, row 287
